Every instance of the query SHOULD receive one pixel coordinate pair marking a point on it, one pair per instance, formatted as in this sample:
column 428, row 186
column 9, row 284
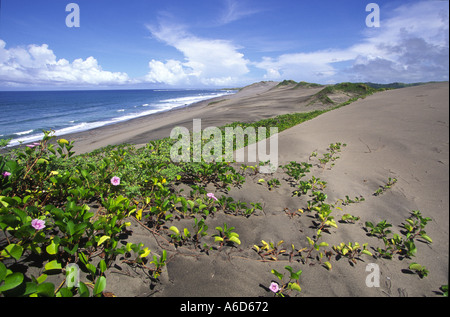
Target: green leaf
column 427, row 238
column 217, row 238
column 99, row 285
column 295, row 287
column 52, row 248
column 175, row 230
column 331, row 223
column 73, row 250
column 30, row 289
column 82, row 257
column 53, row 265
column 13, row 250
column 12, row 281
column 70, row 227
column 3, row 201
column 411, row 247
column 163, row 257
column 41, row 278
column 287, row 267
column 42, row 161
column 191, row 203
column 64, row 292
column 277, row 274
column 2, row 272
column 92, row 269
column 409, row 228
column 83, row 290
column 410, row 222
column 46, row 289
column 81, row 227
column 234, row 234
column 103, row 239
column 235, row 239
column 294, row 275
column 328, row 265
column 367, row 252
column 146, row 253
column 415, row 266
column 102, row 266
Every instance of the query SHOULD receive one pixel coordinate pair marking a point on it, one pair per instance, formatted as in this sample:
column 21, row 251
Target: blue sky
column 219, row 43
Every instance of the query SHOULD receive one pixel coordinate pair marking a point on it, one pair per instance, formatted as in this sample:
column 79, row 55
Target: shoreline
column 252, row 103
column 84, row 136
column 17, row 140
column 248, row 104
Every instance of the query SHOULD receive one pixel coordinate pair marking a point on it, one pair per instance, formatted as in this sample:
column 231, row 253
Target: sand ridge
column 402, row 134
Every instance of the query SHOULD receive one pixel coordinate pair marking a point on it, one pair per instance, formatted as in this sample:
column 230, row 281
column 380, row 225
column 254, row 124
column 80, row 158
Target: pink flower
column 211, row 195
column 38, row 224
column 33, row 145
column 274, row 287
column 6, row 174
column 115, row 181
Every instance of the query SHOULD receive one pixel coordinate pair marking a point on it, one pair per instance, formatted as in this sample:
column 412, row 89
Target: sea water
column 24, row 114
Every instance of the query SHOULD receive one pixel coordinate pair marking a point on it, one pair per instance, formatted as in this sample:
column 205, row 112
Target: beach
column 253, row 103
column 401, row 134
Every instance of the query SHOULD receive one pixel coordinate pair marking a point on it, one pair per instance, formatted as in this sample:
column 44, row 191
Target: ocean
column 24, row 114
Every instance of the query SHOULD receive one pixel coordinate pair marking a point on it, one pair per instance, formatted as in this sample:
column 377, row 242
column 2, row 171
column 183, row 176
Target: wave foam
column 164, row 105
column 24, row 132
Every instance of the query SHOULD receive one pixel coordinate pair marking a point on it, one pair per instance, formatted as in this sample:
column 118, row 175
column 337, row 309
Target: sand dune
column 253, row 103
column 402, row 134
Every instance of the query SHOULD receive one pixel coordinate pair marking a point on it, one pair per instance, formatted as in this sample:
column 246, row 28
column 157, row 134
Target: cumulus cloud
column 206, row 61
column 171, row 72
column 404, row 48
column 36, row 65
column 411, row 59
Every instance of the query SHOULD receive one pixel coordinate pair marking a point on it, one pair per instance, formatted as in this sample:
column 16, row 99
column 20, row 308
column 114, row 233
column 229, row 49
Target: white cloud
column 235, row 11
column 37, row 65
column 206, row 61
column 412, row 44
column 171, row 72
column 314, row 66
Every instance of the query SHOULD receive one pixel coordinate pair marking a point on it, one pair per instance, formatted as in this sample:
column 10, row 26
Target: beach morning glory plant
column 6, row 174
column 115, row 181
column 274, row 287
column 38, row 224
column 33, row 145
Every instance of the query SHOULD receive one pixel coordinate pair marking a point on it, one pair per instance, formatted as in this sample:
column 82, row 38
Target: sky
column 110, row 44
